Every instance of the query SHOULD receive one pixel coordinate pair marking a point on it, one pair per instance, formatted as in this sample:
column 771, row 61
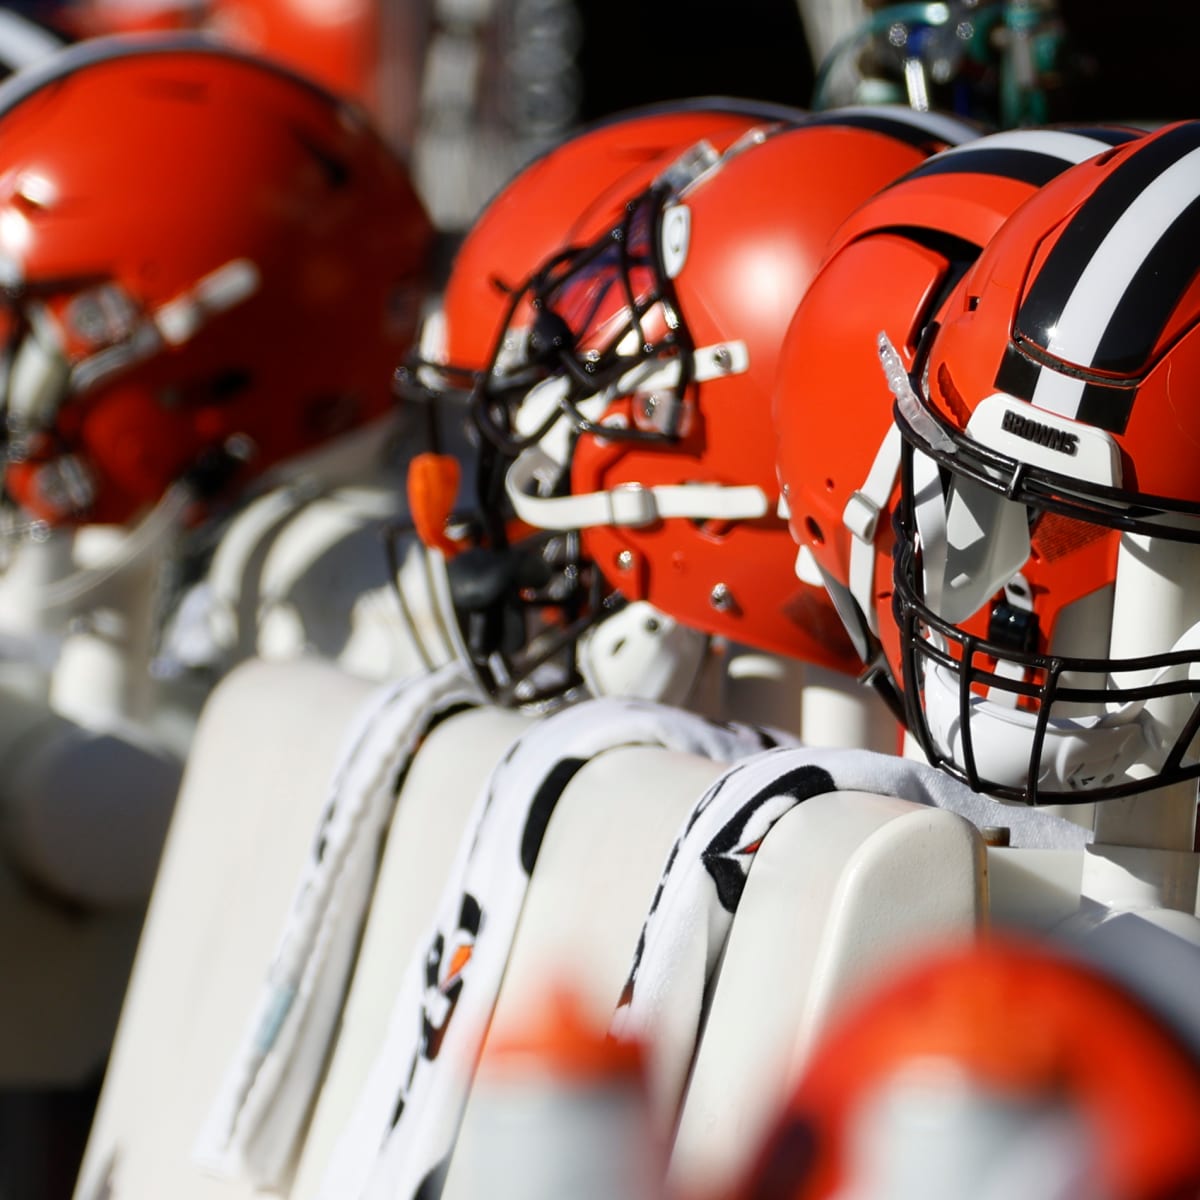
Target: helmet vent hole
column 814, row 531
column 972, row 303
column 830, row 485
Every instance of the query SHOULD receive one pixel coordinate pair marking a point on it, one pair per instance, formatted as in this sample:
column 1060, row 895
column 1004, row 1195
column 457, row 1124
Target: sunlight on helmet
column 521, row 596
column 640, row 410
column 1060, row 430
column 852, row 354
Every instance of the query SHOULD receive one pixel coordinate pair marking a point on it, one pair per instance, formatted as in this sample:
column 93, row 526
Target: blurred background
column 469, row 90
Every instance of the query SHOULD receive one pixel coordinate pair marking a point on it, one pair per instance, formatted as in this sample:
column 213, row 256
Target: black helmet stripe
column 919, row 129
column 1096, row 302
column 1112, row 135
column 1088, row 228
column 1153, row 292
column 1024, row 165
column 1033, row 156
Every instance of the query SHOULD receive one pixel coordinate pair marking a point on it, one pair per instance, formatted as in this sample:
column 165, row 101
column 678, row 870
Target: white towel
column 684, row 935
column 268, row 1089
column 400, row 1134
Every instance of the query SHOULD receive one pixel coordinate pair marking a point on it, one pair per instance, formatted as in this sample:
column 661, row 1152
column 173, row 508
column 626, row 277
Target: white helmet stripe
column 1070, row 147
column 1101, row 299
column 1118, row 257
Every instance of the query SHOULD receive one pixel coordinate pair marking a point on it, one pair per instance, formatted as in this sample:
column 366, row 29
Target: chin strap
column 629, row 503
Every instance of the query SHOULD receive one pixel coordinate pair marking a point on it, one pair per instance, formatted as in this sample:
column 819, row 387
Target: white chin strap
column 642, row 652
column 628, row 504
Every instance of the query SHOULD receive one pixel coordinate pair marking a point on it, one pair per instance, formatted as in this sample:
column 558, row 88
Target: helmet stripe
column 1161, row 278
column 1086, row 246
column 1027, row 166
column 1033, row 156
column 1101, row 299
column 1070, row 145
column 1112, row 135
column 906, row 125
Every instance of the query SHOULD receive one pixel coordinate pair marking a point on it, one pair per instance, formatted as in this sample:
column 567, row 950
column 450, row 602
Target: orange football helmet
column 565, row 196
column 1046, row 571
column 205, row 259
column 838, row 454
column 645, row 377
column 522, row 596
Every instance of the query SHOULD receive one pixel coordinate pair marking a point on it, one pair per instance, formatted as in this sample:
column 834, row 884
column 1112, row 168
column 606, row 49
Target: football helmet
column 838, row 452
column 370, row 52
column 522, row 596
column 1001, row 1068
column 1046, row 562
column 209, row 266
column 644, row 381
column 646, row 372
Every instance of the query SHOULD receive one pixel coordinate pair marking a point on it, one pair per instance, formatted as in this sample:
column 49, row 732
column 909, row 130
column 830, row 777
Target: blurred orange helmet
column 999, row 1069
column 656, row 343
column 367, row 51
column 890, row 268
column 199, row 253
